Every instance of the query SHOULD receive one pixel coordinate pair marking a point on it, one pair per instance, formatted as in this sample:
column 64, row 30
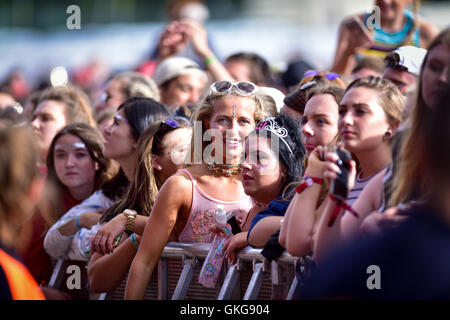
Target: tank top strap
column 194, row 182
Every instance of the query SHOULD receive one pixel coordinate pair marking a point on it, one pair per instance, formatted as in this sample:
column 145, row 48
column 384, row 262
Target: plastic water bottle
column 209, row 273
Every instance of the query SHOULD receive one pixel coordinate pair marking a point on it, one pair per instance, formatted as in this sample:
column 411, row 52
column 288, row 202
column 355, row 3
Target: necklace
column 227, row 170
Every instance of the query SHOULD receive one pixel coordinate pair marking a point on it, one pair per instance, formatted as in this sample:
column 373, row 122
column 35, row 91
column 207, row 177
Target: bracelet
column 77, row 222
column 307, row 182
column 340, row 205
column 209, row 60
column 134, row 241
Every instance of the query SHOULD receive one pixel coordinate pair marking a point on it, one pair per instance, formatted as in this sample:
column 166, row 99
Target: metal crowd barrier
column 180, row 263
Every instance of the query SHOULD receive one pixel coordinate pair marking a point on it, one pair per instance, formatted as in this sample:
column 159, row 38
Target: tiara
column 271, row 125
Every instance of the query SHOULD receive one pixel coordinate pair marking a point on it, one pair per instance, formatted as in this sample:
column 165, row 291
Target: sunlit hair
column 18, row 168
column 93, row 140
column 205, row 109
column 409, row 176
column 389, row 97
column 145, row 185
column 77, row 107
column 133, row 84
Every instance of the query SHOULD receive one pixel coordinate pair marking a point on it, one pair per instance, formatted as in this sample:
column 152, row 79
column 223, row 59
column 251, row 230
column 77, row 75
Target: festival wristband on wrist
column 307, row 182
column 340, row 205
column 209, row 60
column 77, row 222
column 134, row 241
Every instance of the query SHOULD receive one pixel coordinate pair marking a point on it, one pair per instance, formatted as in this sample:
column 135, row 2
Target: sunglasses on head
column 175, row 122
column 243, row 87
column 395, row 65
column 329, row 75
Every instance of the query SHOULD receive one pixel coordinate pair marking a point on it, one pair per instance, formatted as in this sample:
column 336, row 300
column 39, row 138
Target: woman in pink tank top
column 187, row 201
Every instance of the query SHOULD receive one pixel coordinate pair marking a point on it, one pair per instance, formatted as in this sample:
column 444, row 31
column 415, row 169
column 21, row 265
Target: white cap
column 221, row 214
column 176, row 66
column 275, row 94
column 411, row 58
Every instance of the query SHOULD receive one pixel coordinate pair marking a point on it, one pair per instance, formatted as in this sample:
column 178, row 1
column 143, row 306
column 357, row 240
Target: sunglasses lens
column 310, row 73
column 331, row 76
column 222, row 86
column 172, row 123
column 246, row 87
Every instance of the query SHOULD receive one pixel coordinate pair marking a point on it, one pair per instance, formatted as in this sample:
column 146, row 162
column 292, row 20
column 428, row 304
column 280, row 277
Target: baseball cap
column 275, row 94
column 409, row 58
column 174, row 67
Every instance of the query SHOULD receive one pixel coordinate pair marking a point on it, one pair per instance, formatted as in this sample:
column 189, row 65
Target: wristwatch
column 131, row 216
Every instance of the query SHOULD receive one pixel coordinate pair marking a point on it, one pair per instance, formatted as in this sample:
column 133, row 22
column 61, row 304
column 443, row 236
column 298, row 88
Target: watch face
column 130, row 212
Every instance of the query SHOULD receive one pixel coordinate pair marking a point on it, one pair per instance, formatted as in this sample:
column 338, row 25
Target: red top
column 35, row 257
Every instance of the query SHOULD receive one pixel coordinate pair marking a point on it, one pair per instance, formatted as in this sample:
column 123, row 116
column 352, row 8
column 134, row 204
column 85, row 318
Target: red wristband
column 340, row 205
column 307, row 182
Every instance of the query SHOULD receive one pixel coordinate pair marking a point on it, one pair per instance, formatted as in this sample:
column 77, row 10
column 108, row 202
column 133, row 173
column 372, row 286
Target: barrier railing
column 278, row 276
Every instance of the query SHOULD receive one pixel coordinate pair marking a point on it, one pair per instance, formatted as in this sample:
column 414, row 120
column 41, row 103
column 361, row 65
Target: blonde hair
column 77, row 106
column 409, row 176
column 389, row 97
column 205, row 109
column 133, row 84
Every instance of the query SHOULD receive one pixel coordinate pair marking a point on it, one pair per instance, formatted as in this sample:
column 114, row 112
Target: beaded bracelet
column 134, row 241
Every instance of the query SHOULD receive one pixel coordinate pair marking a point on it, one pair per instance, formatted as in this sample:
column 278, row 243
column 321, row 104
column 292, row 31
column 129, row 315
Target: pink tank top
column 203, row 209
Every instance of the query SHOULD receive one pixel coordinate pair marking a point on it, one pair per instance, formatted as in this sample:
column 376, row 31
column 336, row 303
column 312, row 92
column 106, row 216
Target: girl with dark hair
column 76, row 168
column 273, row 153
column 319, row 131
column 73, row 230
column 162, row 149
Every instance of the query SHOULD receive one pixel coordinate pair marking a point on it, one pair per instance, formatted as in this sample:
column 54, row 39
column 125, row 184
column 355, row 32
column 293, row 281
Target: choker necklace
column 227, row 170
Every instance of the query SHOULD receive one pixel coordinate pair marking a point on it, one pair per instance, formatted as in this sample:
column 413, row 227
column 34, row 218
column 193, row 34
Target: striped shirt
column 384, row 42
column 358, row 188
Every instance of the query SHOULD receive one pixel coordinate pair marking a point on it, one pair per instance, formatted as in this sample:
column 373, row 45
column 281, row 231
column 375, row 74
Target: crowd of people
column 346, row 166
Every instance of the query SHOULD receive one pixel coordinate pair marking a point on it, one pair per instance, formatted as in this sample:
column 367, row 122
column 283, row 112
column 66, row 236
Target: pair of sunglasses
column 395, row 65
column 175, row 122
column 329, row 75
column 243, row 87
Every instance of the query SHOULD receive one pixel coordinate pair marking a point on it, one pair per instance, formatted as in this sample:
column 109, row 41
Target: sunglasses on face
column 329, row 75
column 243, row 87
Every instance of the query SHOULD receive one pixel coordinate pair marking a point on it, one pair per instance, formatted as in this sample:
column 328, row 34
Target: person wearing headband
column 273, row 154
column 185, row 207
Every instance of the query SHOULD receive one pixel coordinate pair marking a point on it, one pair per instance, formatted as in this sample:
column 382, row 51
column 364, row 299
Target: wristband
column 209, row 60
column 77, row 222
column 134, row 241
column 307, row 182
column 340, row 205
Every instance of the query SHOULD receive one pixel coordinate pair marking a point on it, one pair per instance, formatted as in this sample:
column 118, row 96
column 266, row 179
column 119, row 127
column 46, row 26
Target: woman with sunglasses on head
column 359, row 36
column 162, row 149
column 319, row 132
column 70, row 234
column 185, row 208
column 294, row 102
column 369, row 115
